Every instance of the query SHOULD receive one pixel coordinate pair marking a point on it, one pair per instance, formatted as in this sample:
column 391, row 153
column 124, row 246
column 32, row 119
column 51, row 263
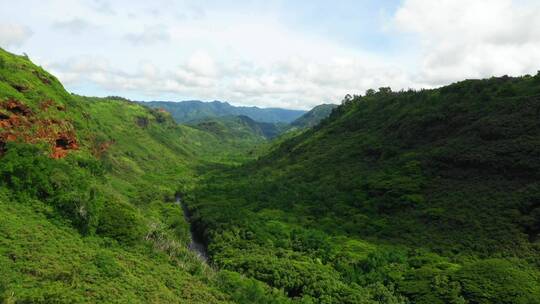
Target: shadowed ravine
column 195, row 243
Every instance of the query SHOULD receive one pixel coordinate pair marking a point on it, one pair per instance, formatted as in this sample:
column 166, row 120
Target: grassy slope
column 48, row 262
column 99, row 225
column 443, row 184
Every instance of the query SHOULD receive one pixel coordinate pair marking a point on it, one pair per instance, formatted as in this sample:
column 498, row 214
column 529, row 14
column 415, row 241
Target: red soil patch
column 17, row 122
column 63, row 144
column 17, row 107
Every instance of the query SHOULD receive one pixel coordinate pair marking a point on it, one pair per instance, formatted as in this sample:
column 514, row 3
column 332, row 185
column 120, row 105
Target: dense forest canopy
column 428, row 195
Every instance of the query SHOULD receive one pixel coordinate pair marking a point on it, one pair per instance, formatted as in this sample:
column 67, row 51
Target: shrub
column 246, row 291
column 25, row 169
column 106, row 263
column 121, row 222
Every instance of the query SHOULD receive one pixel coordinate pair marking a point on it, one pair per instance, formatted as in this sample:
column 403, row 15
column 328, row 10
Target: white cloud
column 261, row 64
column 149, row 35
column 13, row 35
column 296, row 83
column 102, row 6
column 247, row 55
column 191, row 53
column 464, row 39
column 202, row 64
column 74, row 26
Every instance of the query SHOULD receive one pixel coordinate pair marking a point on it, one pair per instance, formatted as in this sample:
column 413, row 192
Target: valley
column 418, row 196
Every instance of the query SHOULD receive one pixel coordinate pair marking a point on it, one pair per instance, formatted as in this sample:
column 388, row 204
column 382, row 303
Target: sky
column 270, row 53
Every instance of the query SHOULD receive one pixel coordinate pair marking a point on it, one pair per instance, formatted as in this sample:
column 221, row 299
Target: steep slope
column 313, row 117
column 430, row 196
column 86, row 192
column 186, row 111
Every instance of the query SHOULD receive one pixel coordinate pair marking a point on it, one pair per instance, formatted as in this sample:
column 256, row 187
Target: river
column 196, row 244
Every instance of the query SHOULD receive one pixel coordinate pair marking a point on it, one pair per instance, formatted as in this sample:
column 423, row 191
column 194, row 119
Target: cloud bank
column 257, row 55
column 463, row 39
column 13, row 35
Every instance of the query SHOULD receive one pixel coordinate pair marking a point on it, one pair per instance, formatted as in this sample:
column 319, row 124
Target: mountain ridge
column 186, row 111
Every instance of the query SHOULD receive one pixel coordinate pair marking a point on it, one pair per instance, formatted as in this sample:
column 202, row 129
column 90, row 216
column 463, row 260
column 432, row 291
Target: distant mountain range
column 226, row 120
column 195, row 110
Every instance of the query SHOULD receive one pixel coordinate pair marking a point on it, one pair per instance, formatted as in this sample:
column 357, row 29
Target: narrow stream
column 195, row 242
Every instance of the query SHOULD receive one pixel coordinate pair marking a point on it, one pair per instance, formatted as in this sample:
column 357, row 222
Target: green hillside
column 313, row 117
column 86, row 199
column 424, row 196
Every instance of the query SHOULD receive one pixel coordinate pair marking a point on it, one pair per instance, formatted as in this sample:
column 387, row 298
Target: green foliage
column 107, row 264
column 451, row 171
column 499, row 281
column 25, row 169
column 47, row 262
column 246, row 291
column 121, row 222
column 68, row 185
column 314, row 116
column 129, row 243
